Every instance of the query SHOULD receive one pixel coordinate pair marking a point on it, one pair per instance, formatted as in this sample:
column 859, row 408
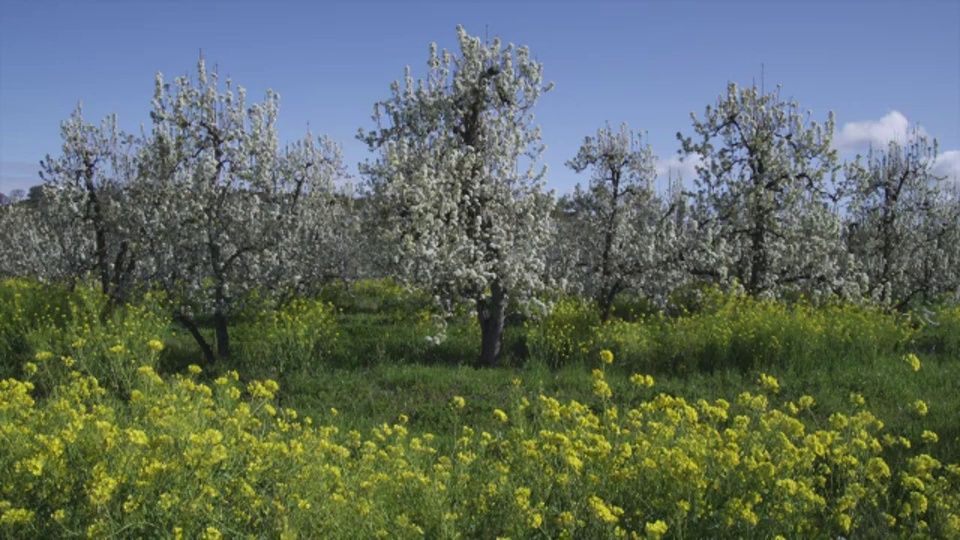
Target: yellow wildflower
column 844, row 521
column 259, row 389
column 536, row 520
column 606, row 356
column 877, row 469
column 137, row 437
column 769, row 383
column 16, row 516
column 656, row 529
column 602, row 389
column 918, row 501
column 522, row 498
column 913, row 361
column 920, row 407
column 602, row 511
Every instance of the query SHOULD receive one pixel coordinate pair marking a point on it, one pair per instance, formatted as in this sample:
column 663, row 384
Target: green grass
column 366, row 398
column 380, row 364
column 364, row 362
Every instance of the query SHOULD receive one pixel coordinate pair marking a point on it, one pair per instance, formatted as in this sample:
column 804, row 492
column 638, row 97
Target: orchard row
column 207, row 206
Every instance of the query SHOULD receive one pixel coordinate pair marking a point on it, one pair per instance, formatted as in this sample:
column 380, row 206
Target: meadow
column 337, row 417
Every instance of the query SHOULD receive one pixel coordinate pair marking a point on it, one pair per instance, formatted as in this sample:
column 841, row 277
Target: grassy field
column 748, row 419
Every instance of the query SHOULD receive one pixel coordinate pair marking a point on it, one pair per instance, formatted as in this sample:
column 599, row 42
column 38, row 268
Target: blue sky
column 882, row 66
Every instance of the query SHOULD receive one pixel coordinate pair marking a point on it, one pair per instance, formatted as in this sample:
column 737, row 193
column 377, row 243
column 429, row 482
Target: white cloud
column 673, row 165
column 893, row 126
column 948, row 165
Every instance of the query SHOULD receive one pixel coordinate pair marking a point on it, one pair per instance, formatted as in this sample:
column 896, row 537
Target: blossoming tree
column 622, row 226
column 459, row 179
column 32, row 246
column 902, row 225
column 318, row 239
column 765, row 185
column 219, row 203
column 82, row 210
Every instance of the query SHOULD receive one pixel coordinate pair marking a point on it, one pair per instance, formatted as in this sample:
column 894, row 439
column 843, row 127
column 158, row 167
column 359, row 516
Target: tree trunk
column 606, row 303
column 123, row 267
column 609, row 290
column 95, row 214
column 223, row 337
column 491, row 313
column 759, row 262
column 219, row 315
column 195, row 332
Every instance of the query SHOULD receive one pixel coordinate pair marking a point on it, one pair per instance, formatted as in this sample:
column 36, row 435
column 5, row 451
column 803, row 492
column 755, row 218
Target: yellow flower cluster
column 298, row 336
column 189, row 460
column 567, row 332
column 642, row 380
column 78, row 330
column 912, row 360
column 768, row 383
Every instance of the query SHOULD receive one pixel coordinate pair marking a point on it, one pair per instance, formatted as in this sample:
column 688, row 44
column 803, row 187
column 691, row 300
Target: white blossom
column 223, row 209
column 459, row 181
column 763, row 195
column 622, row 229
column 903, row 224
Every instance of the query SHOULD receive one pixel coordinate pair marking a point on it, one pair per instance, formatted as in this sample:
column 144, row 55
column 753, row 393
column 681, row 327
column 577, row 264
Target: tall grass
column 740, row 332
column 53, row 331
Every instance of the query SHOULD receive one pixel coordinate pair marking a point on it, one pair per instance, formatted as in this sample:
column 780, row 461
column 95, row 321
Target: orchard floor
column 368, row 394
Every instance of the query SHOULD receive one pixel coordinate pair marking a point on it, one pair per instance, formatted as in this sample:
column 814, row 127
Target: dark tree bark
column 220, row 317
column 191, row 327
column 608, row 289
column 223, row 336
column 491, row 313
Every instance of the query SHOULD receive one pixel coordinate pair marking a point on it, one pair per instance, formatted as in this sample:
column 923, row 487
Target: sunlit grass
column 848, row 427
